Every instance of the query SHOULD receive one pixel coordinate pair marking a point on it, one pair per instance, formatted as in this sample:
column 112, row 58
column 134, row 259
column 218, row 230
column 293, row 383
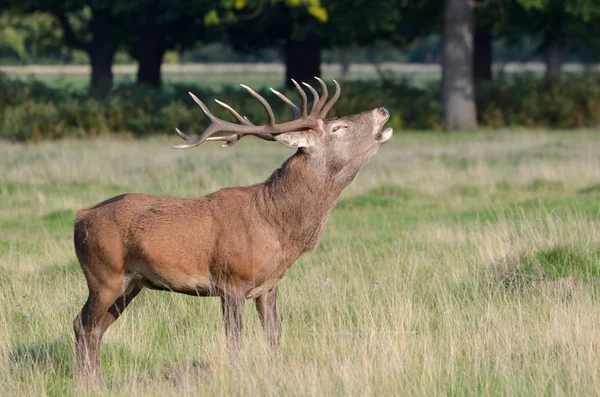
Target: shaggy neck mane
column 297, row 200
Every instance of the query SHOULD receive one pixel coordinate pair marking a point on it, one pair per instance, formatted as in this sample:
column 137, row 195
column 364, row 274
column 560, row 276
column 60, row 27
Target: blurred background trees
column 561, row 28
column 470, row 39
column 301, row 35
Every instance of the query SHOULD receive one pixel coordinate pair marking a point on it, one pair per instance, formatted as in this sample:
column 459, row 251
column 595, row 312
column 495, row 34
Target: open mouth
column 385, row 135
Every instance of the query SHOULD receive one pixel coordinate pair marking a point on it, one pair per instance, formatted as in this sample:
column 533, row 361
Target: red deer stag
column 236, row 243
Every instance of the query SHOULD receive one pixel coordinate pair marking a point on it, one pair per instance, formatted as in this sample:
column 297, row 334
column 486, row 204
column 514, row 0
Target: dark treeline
column 300, row 30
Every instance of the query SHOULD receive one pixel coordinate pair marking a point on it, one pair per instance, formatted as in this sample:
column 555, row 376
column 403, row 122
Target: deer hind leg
column 88, row 334
column 118, row 307
column 267, row 312
column 99, row 312
column 233, row 307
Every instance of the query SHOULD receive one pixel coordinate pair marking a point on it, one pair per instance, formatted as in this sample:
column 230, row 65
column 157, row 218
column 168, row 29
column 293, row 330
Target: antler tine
column 324, row 94
column 228, row 139
column 263, row 101
column 332, row 100
column 212, row 128
column 238, row 117
column 285, row 99
column 304, row 105
column 315, row 96
column 181, row 134
column 188, row 142
column 205, row 110
column 232, row 139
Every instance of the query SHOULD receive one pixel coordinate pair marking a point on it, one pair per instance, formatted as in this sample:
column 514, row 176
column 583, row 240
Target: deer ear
column 294, row 140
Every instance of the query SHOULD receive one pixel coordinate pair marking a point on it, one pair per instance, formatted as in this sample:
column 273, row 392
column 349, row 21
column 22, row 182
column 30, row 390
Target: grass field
column 463, row 264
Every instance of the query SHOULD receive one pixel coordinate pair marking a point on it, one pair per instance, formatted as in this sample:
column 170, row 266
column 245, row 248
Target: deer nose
column 383, row 112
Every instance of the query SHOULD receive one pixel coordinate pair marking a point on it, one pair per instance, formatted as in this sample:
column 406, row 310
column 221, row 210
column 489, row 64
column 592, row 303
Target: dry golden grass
column 441, row 272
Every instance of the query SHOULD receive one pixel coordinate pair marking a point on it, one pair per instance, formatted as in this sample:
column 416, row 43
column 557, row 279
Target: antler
column 302, row 120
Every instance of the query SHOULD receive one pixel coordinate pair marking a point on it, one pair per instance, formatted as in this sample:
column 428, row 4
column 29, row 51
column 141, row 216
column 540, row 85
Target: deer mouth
column 384, row 136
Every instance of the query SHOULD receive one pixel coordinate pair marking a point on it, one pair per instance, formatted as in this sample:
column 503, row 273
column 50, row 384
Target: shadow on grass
column 54, row 359
column 180, row 375
column 54, row 356
column 55, row 362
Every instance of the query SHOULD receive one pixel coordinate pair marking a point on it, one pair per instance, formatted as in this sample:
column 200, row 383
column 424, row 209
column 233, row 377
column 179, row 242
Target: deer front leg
column 267, row 312
column 233, row 306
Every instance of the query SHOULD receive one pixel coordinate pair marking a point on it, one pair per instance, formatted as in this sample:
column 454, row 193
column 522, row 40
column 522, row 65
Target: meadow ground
column 462, row 264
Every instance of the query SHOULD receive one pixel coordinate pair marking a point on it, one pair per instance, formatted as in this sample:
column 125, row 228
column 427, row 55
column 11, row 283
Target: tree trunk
column 151, row 50
column 483, row 55
column 102, row 49
column 302, row 60
column 457, row 72
column 101, row 57
column 554, row 57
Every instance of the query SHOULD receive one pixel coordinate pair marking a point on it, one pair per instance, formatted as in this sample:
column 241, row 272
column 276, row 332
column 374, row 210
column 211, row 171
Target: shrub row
column 32, row 110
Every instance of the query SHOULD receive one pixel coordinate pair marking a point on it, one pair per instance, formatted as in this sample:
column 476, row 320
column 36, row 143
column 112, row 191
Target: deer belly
column 175, row 279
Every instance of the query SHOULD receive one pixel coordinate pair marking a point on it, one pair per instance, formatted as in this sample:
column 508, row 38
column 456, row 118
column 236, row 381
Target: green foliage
column 530, row 102
column 24, row 38
column 582, row 8
column 31, row 110
column 568, row 24
column 10, row 37
column 331, row 23
column 232, row 11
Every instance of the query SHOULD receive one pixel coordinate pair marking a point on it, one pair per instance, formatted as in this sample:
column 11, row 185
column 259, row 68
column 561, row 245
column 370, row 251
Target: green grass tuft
column 560, row 262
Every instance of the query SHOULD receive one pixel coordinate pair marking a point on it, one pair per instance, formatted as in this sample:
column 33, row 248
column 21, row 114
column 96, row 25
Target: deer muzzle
column 385, row 135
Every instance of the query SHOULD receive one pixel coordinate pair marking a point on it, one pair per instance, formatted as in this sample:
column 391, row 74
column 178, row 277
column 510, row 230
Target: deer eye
column 337, row 127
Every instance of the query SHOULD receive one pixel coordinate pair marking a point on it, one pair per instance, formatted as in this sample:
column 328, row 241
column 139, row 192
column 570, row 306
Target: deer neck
column 298, row 198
